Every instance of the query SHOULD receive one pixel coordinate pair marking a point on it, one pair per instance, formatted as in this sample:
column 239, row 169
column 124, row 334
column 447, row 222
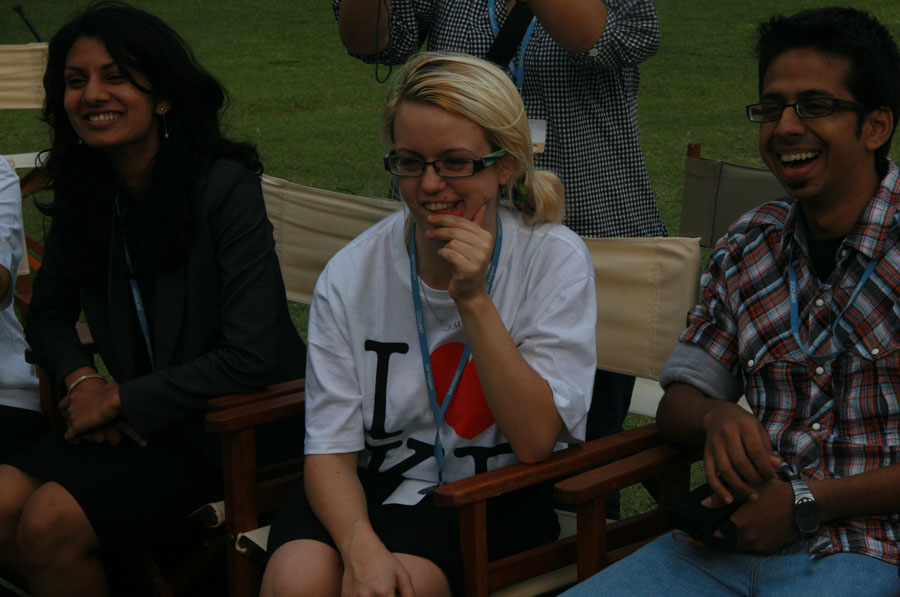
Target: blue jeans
column 670, row 566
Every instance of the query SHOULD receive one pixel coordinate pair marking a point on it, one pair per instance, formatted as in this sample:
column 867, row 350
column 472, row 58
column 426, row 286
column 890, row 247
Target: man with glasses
column 800, row 312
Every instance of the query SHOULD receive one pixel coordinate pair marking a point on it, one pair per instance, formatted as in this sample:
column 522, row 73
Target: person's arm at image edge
column 357, row 22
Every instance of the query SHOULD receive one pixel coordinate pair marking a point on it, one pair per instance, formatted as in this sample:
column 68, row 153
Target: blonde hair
column 480, row 91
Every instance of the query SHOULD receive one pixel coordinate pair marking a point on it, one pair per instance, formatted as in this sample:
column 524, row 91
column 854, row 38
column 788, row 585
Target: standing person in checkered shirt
column 800, row 312
column 577, row 70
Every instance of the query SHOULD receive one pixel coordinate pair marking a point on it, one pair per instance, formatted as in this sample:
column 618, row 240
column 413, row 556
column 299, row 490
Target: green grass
column 313, row 110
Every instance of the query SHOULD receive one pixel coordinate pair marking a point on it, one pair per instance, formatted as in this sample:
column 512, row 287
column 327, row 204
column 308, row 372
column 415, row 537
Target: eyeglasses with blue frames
column 816, row 107
column 452, row 167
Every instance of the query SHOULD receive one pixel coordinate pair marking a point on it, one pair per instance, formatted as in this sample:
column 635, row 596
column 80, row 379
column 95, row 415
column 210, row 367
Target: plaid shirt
column 589, row 101
column 829, row 418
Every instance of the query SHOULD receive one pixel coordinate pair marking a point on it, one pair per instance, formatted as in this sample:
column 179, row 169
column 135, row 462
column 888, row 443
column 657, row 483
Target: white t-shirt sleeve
column 334, row 418
column 556, row 331
column 10, row 226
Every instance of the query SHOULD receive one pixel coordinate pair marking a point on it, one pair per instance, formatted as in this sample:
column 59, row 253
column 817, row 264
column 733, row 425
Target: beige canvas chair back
column 21, row 72
column 716, row 193
column 311, row 225
column 645, row 287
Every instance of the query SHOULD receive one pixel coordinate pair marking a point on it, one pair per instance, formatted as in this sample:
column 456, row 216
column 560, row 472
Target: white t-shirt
column 365, row 385
column 18, row 384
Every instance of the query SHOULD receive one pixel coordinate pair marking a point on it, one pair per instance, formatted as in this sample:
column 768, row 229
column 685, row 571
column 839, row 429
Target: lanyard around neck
column 795, row 315
column 438, row 410
column 135, row 289
column 519, row 68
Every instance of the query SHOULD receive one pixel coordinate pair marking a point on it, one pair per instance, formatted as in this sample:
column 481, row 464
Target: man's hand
column 738, row 456
column 113, row 433
column 764, row 525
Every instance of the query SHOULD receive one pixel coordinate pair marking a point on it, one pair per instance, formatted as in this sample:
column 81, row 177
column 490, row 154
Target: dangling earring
column 162, row 112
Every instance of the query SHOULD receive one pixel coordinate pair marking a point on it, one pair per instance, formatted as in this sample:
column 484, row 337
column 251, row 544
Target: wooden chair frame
column 664, row 469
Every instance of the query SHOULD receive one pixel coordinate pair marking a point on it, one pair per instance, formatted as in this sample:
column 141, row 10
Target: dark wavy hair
column 82, row 178
column 874, row 77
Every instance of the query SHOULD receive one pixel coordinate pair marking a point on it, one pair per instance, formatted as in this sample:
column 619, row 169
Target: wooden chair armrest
column 565, row 462
column 289, row 387
column 22, row 296
column 257, row 408
column 623, row 473
column 34, row 181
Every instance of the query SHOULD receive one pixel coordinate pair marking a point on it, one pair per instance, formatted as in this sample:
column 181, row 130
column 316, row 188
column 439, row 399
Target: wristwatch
column 806, row 510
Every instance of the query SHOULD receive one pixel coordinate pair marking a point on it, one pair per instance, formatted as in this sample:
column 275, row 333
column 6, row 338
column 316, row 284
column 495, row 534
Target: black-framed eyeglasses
column 816, row 107
column 452, row 167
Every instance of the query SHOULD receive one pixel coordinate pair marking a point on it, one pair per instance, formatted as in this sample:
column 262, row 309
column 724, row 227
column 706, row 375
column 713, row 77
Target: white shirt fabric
column 365, row 385
column 18, row 383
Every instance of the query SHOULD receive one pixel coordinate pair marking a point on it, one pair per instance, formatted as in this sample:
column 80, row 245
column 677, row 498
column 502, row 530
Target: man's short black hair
column 874, row 75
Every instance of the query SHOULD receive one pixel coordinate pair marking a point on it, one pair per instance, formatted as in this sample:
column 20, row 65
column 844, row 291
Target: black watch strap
column 806, row 510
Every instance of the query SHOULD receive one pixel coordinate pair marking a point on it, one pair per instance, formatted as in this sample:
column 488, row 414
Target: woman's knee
column 53, row 526
column 303, row 567
column 17, row 488
column 427, row 577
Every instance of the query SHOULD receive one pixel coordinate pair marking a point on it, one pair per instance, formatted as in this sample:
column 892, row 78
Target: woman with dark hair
column 160, row 237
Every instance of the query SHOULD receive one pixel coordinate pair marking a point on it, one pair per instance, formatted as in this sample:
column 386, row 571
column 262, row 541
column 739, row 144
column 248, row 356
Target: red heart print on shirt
column 468, row 413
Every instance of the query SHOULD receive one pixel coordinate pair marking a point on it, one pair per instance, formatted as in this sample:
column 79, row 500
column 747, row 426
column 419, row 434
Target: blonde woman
column 452, row 339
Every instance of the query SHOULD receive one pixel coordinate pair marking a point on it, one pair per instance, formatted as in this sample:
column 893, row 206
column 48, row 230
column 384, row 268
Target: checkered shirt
column 829, row 418
column 589, row 101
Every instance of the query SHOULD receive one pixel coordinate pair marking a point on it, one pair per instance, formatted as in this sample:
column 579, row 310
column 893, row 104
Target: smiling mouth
column 798, row 160
column 107, row 117
column 442, row 206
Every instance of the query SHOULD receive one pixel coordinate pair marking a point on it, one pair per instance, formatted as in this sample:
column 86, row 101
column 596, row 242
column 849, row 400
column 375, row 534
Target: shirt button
column 844, row 253
column 751, row 362
column 820, row 370
column 819, row 302
column 875, row 351
column 593, row 52
column 816, row 426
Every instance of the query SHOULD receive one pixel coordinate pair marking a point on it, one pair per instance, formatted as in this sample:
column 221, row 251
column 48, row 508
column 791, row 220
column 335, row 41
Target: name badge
column 538, row 133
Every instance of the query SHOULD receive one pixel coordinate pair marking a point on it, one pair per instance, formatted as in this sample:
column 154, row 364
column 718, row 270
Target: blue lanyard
column 135, row 290
column 519, row 68
column 436, row 409
column 795, row 317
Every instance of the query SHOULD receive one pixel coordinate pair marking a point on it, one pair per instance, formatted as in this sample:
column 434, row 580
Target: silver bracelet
column 81, row 379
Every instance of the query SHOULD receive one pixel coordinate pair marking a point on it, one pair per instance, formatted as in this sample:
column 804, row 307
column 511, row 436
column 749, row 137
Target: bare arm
column 357, row 22
column 871, row 493
column 767, row 525
column 337, row 498
column 576, row 25
column 520, row 399
column 737, row 450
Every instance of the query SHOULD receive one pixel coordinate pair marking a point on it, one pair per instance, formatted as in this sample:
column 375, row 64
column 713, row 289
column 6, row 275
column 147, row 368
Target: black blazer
column 221, row 319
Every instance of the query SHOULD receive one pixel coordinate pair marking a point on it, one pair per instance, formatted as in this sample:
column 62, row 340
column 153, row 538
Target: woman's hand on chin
column 467, row 248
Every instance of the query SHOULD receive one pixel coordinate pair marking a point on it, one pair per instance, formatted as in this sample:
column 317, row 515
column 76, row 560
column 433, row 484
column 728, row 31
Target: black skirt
column 129, row 494
column 516, row 522
column 19, row 428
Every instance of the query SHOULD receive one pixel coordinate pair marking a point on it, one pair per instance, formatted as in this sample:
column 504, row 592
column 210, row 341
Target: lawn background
column 313, row 110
